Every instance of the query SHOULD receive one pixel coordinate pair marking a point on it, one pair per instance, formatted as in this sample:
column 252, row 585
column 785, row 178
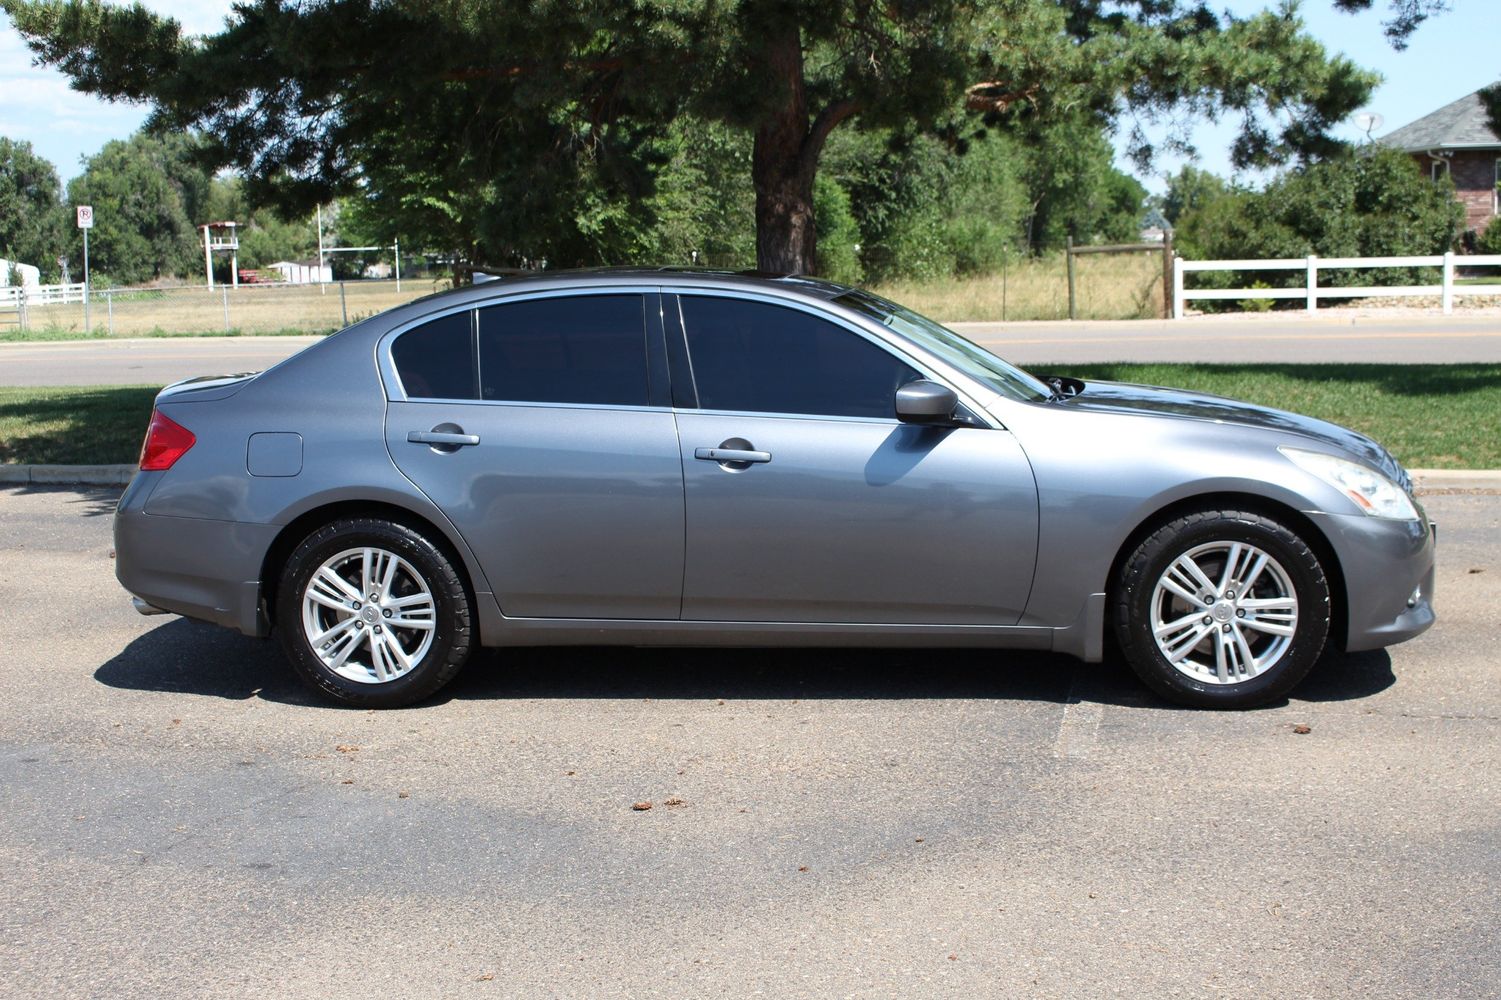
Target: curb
column 1435, row 480
column 66, row 475
column 1424, row 480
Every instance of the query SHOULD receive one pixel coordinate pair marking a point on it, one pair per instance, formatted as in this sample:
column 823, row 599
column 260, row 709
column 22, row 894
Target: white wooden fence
column 40, row 295
column 1311, row 292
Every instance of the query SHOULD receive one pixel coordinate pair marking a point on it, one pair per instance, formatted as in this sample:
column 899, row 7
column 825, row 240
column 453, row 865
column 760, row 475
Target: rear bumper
column 195, row 567
column 1388, row 568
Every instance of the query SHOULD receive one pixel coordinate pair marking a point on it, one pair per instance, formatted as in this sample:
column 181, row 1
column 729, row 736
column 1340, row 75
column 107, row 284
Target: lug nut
column 1229, row 595
column 373, row 598
column 1208, row 620
column 1240, row 612
column 359, row 625
column 355, row 605
column 387, row 612
column 377, row 629
column 1224, row 628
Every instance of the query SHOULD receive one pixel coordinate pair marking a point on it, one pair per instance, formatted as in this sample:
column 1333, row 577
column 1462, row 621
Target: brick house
column 1457, row 140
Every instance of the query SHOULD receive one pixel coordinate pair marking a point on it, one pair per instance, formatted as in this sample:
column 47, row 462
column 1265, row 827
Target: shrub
column 1489, row 242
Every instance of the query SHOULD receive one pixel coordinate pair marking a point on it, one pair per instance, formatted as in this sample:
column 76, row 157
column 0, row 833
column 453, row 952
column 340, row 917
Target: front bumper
column 1388, row 569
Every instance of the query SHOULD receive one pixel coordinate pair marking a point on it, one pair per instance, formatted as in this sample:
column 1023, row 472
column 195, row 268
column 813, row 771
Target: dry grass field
column 1109, row 286
column 249, row 309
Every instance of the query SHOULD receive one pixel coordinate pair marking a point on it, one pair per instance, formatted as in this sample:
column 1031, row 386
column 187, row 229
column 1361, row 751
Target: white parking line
column 1079, row 727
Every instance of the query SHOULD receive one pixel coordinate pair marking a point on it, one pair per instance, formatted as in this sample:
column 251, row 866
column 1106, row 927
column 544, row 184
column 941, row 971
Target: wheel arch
column 1294, row 519
column 308, row 521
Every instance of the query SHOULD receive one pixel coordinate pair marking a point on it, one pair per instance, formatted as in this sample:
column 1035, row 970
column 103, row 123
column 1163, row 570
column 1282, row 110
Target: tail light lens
column 166, row 442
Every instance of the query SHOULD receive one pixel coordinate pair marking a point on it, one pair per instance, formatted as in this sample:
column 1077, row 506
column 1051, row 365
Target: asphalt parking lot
column 182, row 820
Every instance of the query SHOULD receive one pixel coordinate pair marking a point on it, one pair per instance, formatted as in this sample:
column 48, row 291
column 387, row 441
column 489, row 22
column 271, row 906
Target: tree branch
column 992, row 96
column 818, row 133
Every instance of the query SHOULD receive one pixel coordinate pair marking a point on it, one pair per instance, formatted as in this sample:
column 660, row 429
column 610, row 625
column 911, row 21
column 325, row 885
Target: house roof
column 1461, row 124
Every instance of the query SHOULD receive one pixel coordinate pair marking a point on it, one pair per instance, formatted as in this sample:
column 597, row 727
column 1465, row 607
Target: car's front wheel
column 1222, row 609
column 372, row 613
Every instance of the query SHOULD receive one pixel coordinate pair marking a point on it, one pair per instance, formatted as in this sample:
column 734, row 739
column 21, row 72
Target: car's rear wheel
column 1222, row 609
column 372, row 613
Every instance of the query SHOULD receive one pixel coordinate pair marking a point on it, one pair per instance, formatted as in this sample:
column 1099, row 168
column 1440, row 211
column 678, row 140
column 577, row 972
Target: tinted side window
column 436, row 360
column 770, row 359
column 583, row 349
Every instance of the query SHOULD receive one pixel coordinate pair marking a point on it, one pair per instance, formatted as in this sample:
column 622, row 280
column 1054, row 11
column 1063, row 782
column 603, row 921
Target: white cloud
column 62, row 124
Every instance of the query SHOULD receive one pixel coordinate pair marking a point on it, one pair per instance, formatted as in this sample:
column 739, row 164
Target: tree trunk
column 785, row 239
column 784, row 161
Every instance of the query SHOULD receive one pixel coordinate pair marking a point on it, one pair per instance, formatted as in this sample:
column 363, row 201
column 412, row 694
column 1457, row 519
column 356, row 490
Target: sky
column 1450, row 56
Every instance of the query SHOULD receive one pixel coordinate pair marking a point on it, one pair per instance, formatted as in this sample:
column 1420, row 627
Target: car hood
column 1120, row 397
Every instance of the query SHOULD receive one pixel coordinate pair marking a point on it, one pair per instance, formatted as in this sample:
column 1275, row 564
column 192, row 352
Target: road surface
column 1260, row 339
column 182, row 820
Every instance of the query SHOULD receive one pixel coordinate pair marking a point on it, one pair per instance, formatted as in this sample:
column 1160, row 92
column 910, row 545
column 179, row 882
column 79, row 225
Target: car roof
column 489, row 283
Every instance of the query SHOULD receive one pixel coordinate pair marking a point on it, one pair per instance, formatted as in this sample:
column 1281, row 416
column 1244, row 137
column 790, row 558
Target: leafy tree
column 1491, row 96
column 33, row 224
column 1077, row 192
column 1372, row 203
column 510, row 129
column 703, row 204
column 265, row 237
column 149, row 194
column 1190, row 190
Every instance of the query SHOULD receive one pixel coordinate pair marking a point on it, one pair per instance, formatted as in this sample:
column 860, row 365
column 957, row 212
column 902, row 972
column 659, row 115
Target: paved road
column 181, row 820
column 1259, row 339
column 142, row 361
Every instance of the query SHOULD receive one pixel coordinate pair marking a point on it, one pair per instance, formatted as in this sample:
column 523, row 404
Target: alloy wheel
column 368, row 614
column 1224, row 612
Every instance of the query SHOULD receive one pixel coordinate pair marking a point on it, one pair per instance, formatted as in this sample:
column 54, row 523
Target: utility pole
column 321, row 289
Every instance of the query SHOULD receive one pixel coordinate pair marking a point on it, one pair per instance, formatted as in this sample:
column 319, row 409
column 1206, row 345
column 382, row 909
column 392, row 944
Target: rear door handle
column 441, row 437
column 731, row 455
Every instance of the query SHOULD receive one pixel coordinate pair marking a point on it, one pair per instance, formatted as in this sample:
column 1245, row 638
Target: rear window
column 436, row 360
column 568, row 349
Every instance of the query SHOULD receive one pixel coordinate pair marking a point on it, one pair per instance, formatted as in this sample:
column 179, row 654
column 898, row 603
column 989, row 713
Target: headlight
column 1367, row 489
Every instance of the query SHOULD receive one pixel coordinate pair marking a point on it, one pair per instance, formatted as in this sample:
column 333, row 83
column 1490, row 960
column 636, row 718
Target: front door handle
column 441, row 437
column 731, row 455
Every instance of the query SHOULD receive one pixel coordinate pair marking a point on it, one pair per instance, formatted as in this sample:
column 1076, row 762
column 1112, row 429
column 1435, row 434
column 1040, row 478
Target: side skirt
column 1083, row 638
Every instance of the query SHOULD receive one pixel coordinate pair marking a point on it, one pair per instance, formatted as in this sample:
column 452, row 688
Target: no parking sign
column 85, row 216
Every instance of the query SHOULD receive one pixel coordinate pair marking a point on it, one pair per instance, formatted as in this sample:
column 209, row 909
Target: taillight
column 166, row 442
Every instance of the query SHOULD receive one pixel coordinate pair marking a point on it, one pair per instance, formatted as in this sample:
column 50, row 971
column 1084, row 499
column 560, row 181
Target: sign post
column 85, row 222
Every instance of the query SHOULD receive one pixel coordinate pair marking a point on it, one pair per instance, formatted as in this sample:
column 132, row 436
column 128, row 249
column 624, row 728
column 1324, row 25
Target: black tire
column 452, row 634
column 1136, row 593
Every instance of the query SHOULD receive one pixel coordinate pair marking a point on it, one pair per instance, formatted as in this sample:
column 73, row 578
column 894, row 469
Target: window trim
column 651, row 322
column 922, row 364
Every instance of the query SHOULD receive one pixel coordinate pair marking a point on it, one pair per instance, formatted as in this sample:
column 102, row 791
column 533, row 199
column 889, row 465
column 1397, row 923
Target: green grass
column 1430, row 416
column 73, row 425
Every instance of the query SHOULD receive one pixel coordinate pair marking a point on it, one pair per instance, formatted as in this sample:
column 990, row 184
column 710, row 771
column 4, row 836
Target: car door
column 539, row 425
column 808, row 501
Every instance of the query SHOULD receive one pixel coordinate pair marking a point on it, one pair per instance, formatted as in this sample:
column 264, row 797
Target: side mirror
column 925, row 402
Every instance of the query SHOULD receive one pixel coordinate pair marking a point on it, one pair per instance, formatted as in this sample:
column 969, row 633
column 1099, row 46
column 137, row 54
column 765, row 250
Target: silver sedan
column 692, row 458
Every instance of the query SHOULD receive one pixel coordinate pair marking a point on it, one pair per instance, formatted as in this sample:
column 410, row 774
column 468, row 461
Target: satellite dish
column 1368, row 122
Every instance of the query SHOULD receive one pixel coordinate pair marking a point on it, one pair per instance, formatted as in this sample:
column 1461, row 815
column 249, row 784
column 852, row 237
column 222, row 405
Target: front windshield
column 973, row 360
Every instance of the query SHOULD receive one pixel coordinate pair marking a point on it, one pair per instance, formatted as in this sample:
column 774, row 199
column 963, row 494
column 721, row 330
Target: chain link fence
column 246, row 310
